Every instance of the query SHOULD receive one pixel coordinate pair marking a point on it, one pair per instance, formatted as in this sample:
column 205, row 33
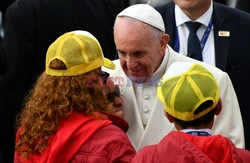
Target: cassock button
column 146, row 97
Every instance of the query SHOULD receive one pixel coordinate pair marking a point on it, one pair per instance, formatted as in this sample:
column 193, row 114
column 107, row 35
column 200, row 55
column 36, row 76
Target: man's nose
column 131, row 63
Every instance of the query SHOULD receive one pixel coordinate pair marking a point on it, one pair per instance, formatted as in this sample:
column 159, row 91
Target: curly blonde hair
column 52, row 100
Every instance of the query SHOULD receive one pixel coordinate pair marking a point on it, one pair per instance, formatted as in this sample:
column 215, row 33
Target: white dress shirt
column 208, row 52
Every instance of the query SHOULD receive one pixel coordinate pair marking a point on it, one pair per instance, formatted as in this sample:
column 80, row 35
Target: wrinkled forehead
column 128, row 28
column 128, row 22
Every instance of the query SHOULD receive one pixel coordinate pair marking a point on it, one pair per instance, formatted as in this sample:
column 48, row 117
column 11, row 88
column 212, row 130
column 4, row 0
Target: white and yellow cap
column 185, row 87
column 80, row 51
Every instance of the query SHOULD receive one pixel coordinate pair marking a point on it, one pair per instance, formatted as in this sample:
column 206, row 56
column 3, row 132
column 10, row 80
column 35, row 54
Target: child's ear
column 218, row 107
column 169, row 117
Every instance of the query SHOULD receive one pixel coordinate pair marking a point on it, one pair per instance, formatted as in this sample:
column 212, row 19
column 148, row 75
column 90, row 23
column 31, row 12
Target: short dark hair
column 207, row 118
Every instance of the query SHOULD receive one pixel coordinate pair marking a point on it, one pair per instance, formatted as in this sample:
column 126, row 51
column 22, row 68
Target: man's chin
column 138, row 80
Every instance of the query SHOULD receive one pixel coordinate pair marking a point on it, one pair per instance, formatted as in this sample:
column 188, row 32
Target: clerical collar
column 162, row 68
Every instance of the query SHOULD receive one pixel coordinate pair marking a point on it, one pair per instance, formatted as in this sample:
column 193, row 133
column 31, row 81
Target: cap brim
column 108, row 64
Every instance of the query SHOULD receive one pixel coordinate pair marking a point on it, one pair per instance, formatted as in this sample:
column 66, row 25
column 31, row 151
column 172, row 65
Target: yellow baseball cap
column 80, row 51
column 185, row 87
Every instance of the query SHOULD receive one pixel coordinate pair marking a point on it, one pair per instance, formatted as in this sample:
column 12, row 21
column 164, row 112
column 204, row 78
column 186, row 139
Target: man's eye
column 140, row 54
column 121, row 53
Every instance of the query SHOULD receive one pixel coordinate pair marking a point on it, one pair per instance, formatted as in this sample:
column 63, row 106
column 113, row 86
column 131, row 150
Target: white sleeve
column 229, row 122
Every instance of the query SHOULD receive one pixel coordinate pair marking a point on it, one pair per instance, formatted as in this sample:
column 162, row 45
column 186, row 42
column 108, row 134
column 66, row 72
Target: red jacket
column 84, row 139
column 179, row 147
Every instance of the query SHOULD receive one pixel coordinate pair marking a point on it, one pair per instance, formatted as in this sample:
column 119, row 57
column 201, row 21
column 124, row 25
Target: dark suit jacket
column 30, row 27
column 243, row 5
column 4, row 4
column 232, row 53
column 2, row 59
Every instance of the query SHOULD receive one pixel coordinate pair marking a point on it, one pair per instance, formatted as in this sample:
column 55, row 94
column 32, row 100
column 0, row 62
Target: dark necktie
column 194, row 47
